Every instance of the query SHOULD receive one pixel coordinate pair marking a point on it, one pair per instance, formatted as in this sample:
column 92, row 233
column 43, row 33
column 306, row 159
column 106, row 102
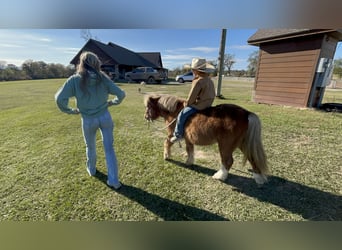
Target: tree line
column 338, row 67
column 228, row 69
column 32, row 70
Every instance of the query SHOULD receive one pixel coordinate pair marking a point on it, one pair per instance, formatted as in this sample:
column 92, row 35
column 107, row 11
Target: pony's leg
column 190, row 153
column 167, row 143
column 167, row 149
column 222, row 174
column 226, row 163
column 259, row 178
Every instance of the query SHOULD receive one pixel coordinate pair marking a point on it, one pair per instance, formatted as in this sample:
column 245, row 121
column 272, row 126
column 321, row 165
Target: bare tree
column 228, row 62
column 253, row 63
column 214, row 63
column 86, row 35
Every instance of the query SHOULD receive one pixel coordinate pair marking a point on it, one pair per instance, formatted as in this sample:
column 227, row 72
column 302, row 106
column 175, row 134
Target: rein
column 168, row 125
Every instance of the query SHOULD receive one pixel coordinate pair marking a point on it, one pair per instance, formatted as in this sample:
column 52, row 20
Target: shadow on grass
column 311, row 203
column 167, row 209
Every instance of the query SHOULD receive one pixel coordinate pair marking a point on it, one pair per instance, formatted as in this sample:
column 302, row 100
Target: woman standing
column 91, row 88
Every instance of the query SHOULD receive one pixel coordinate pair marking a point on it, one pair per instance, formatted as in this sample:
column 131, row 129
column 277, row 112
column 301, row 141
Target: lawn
column 43, row 176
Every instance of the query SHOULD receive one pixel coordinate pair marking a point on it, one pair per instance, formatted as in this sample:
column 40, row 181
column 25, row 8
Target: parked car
column 187, row 77
column 147, row 74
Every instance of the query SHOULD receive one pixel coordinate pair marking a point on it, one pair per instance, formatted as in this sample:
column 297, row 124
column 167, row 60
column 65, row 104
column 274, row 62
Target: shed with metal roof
column 294, row 65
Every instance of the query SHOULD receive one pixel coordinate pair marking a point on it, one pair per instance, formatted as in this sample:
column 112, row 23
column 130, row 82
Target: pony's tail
column 252, row 146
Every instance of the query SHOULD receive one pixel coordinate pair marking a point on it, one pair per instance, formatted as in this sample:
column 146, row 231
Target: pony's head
column 161, row 105
column 151, row 111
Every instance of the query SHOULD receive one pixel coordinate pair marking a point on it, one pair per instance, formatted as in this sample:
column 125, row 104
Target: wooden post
column 221, row 62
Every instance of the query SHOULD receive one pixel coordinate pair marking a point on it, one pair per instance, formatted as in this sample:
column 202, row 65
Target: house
column 294, row 65
column 117, row 60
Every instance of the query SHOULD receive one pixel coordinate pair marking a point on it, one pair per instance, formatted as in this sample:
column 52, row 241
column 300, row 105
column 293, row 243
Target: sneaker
column 115, row 186
column 175, row 139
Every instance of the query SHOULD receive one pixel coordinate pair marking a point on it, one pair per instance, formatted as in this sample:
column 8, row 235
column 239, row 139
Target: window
column 138, row 70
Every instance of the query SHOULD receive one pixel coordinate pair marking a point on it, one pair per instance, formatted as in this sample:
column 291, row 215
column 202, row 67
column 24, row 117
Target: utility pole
column 221, row 62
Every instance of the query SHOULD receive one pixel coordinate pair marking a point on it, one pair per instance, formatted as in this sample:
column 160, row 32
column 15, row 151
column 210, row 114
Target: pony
column 228, row 125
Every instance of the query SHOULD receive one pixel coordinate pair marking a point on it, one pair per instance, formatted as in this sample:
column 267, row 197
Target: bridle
column 149, row 115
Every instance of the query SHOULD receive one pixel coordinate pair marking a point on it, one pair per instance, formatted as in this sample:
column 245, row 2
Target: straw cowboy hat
column 201, row 65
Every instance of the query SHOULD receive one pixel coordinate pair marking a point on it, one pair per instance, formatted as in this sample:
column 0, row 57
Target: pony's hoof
column 189, row 162
column 260, row 179
column 166, row 155
column 220, row 175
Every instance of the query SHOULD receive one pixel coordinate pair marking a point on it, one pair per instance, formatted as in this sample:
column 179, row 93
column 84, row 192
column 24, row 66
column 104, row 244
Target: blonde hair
column 89, row 62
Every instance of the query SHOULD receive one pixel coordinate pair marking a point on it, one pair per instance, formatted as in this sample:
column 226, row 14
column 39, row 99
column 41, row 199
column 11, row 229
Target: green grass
column 43, row 177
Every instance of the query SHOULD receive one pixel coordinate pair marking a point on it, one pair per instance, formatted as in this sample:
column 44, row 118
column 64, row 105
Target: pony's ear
column 155, row 99
column 150, row 99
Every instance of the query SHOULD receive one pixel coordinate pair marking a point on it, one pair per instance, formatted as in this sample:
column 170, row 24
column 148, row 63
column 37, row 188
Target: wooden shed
column 294, row 65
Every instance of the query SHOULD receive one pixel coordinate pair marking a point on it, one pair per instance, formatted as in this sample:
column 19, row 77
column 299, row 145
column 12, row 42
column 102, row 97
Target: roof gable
column 113, row 54
column 270, row 35
column 97, row 48
column 153, row 57
column 128, row 57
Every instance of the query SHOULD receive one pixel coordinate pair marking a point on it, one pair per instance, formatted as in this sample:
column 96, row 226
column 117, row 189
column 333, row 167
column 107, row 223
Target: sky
column 49, row 30
column 177, row 46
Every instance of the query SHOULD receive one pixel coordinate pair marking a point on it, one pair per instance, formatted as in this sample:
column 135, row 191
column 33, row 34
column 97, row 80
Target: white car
column 187, row 77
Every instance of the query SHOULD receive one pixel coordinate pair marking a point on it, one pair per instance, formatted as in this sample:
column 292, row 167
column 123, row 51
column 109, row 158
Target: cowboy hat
column 201, row 65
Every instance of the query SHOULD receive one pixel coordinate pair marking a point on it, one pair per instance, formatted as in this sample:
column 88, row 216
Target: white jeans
column 89, row 128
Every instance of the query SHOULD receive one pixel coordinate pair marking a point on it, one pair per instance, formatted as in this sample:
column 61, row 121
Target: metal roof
column 153, row 57
column 270, row 35
column 114, row 54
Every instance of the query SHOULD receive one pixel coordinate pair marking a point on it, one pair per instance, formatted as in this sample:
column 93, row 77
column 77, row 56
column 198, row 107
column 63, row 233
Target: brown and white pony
column 228, row 125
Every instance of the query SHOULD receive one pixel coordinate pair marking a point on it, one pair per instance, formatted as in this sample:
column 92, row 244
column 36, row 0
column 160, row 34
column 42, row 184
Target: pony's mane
column 168, row 102
column 165, row 102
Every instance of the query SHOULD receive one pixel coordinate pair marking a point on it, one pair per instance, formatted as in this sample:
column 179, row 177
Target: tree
column 3, row 64
column 35, row 70
column 70, row 69
column 11, row 74
column 228, row 62
column 253, row 63
column 338, row 67
column 27, row 68
column 214, row 63
column 86, row 35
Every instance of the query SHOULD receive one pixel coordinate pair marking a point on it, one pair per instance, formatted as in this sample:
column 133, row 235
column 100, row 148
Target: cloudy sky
column 177, row 46
column 49, row 30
